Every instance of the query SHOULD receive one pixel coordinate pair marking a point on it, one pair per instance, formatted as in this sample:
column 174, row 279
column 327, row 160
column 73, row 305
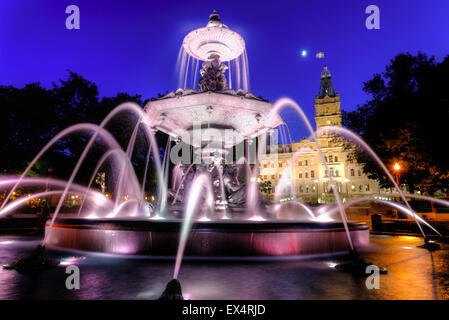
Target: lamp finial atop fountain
column 214, row 20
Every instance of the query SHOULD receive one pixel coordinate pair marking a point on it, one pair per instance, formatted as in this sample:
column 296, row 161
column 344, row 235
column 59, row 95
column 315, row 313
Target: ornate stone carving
column 212, row 75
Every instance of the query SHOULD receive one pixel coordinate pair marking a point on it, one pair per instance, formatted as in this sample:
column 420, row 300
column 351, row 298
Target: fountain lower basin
column 207, row 238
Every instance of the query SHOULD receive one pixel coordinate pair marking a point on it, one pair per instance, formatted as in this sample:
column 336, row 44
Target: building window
column 359, row 173
column 272, row 164
column 366, row 187
column 330, row 158
column 306, row 174
column 336, row 173
column 314, row 187
column 273, row 177
column 353, row 187
column 265, row 165
column 312, row 174
column 300, row 175
column 352, row 172
column 265, row 177
column 307, row 189
column 335, row 159
column 360, row 188
column 301, row 189
column 311, row 162
column 331, row 171
column 299, row 163
column 305, row 163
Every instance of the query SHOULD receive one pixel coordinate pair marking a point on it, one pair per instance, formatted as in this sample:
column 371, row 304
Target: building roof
column 326, row 87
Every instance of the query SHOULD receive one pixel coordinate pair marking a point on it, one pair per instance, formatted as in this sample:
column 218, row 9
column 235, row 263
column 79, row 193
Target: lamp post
column 396, row 168
column 346, row 183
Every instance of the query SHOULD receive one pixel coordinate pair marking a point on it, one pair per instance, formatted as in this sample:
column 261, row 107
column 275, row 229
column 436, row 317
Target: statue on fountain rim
column 212, row 75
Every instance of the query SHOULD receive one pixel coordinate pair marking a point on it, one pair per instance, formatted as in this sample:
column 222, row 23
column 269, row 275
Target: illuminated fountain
column 218, row 133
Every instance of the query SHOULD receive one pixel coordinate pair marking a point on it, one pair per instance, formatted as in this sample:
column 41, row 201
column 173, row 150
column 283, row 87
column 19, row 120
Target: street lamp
column 346, row 182
column 396, row 168
column 316, row 187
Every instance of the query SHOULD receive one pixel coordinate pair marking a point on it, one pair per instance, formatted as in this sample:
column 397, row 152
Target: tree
column 33, row 115
column 405, row 122
column 265, row 186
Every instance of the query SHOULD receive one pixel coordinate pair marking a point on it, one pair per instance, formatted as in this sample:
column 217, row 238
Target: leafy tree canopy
column 405, row 121
column 33, row 115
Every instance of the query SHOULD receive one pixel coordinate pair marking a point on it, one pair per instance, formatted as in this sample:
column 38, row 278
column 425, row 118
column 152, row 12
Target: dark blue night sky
column 132, row 46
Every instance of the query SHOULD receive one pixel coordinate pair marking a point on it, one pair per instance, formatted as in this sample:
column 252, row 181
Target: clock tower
column 327, row 103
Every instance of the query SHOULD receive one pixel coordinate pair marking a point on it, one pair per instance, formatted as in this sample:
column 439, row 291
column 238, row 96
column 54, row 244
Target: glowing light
column 257, row 218
column 99, row 199
column 187, row 296
column 323, row 218
column 331, row 264
column 396, row 166
column 408, row 248
column 253, row 179
column 157, row 217
column 6, row 242
column 304, row 53
column 71, row 261
column 92, row 216
column 204, row 219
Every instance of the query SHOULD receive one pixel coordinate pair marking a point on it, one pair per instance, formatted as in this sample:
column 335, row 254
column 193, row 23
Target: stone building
column 307, row 180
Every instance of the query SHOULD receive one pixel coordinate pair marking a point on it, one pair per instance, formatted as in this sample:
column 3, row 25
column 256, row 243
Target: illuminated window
column 312, row 174
column 335, row 159
column 307, row 189
column 300, row 174
column 367, row 187
column 305, row 163
column 353, row 187
column 352, row 172
column 359, row 173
